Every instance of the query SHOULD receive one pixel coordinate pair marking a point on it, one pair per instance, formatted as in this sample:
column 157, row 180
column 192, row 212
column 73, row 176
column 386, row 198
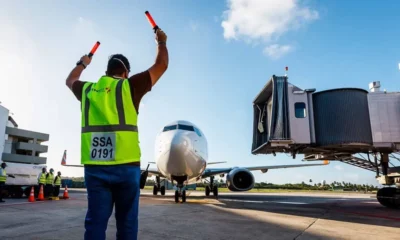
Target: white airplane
column 181, row 157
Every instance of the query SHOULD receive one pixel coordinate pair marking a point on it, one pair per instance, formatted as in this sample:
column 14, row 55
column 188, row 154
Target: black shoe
column 2, row 201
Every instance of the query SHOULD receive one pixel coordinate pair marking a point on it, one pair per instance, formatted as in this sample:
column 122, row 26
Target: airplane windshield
column 179, row 126
column 169, row 128
column 185, row 127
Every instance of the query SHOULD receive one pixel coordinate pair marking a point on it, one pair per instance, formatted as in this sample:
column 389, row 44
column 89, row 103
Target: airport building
column 20, row 145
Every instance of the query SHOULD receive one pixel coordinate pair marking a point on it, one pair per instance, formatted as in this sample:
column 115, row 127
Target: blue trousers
column 106, row 186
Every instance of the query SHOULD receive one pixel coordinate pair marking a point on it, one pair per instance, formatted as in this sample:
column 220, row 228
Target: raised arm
column 161, row 63
column 76, row 72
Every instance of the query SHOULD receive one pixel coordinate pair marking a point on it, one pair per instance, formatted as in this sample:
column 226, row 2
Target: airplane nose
column 179, row 150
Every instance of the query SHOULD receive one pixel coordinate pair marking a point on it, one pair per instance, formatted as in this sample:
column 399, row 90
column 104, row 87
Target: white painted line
column 238, row 200
column 252, row 201
column 11, row 204
column 296, row 203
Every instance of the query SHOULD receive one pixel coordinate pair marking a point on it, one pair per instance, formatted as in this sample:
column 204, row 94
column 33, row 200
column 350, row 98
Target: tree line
column 346, row 186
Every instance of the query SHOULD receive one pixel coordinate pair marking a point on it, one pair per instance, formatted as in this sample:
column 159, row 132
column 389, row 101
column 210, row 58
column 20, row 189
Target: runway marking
column 11, row 204
column 254, row 201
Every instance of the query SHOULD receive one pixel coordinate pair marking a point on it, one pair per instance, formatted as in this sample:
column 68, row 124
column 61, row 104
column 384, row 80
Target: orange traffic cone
column 65, row 196
column 41, row 195
column 32, row 195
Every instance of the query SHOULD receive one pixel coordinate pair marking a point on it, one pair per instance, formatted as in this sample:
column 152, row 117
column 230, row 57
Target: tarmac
column 231, row 216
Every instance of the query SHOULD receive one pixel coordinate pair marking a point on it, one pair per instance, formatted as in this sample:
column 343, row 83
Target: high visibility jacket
column 3, row 175
column 109, row 134
column 50, row 179
column 42, row 178
column 58, row 181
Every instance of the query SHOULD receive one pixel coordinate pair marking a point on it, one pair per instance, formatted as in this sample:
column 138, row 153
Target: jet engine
column 240, row 179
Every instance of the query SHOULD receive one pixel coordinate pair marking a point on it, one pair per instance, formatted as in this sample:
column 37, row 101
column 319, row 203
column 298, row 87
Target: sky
column 221, row 54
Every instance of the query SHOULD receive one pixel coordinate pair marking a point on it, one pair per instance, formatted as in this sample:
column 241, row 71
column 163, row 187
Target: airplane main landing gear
column 157, row 187
column 212, row 187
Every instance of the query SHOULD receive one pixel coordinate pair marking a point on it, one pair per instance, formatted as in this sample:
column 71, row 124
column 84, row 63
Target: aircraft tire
column 176, row 196
column 184, row 196
column 162, row 190
column 215, row 191
column 155, row 190
column 208, row 191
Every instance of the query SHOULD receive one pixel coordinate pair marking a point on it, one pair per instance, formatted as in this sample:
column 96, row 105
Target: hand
column 161, row 37
column 86, row 60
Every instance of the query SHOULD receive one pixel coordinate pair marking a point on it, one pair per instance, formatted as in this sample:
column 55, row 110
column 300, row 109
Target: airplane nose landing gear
column 180, row 193
column 181, row 185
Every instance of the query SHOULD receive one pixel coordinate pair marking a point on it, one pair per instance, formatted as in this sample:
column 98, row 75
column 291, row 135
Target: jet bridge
column 351, row 125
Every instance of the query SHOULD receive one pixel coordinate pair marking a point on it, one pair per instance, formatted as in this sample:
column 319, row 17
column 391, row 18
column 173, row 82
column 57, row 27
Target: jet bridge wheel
column 387, row 197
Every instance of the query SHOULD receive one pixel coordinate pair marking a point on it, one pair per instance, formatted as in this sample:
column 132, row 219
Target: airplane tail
column 64, row 158
column 64, row 161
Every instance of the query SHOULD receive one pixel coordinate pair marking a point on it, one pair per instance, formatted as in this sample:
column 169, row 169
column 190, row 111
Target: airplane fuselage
column 181, row 151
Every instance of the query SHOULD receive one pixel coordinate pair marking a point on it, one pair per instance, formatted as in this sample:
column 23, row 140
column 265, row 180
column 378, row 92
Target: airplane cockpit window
column 197, row 131
column 185, row 127
column 169, row 128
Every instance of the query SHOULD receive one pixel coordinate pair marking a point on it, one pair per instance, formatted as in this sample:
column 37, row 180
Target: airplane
column 181, row 152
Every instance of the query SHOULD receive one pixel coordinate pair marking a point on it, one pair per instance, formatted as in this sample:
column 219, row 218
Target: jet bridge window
column 169, row 128
column 185, row 127
column 300, row 110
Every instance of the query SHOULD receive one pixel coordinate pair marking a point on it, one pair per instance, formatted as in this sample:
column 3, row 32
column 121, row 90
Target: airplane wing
column 211, row 163
column 217, row 171
column 151, row 172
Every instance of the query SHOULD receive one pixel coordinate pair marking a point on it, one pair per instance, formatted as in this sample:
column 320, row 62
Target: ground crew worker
column 57, row 184
column 49, row 182
column 110, row 147
column 42, row 180
column 3, row 179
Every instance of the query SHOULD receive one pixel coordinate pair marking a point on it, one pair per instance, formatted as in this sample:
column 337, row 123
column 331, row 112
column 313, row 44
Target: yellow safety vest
column 3, row 175
column 42, row 178
column 58, row 181
column 50, row 179
column 109, row 134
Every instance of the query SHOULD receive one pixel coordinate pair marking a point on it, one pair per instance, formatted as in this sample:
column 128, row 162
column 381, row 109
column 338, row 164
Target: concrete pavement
column 232, row 216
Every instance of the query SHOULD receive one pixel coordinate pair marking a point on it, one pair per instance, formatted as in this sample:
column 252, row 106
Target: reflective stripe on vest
column 42, row 178
column 58, row 181
column 109, row 133
column 3, row 176
column 50, row 179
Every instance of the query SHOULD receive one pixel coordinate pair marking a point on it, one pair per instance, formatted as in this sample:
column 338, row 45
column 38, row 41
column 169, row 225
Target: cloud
column 338, row 167
column 254, row 21
column 276, row 51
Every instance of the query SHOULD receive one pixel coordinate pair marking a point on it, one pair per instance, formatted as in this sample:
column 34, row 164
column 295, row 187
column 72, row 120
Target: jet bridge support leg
column 388, row 196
